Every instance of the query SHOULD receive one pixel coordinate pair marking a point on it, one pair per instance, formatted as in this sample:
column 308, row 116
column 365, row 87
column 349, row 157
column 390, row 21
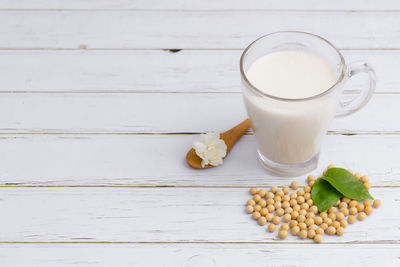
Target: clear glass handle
column 349, row 107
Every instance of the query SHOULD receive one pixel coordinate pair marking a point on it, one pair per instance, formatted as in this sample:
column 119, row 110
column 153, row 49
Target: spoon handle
column 231, row 136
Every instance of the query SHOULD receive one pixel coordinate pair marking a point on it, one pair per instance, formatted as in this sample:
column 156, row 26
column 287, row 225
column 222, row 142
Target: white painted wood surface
column 189, row 29
column 158, row 160
column 162, row 215
column 160, row 113
column 153, row 70
column 96, row 115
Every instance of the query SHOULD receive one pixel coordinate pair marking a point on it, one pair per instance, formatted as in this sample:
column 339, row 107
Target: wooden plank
column 135, row 71
column 161, row 215
column 172, row 255
column 160, row 113
column 189, row 29
column 158, row 160
column 202, row 5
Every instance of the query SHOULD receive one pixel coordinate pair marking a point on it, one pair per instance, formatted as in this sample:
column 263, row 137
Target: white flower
column 210, row 148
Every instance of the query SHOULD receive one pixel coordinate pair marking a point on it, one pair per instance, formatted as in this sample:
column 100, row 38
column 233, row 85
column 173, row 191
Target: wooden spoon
column 230, row 137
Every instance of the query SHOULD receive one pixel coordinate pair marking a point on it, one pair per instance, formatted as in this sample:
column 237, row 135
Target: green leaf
column 324, row 195
column 344, row 182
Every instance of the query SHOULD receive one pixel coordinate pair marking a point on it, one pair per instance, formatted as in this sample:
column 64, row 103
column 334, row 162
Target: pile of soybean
column 299, row 214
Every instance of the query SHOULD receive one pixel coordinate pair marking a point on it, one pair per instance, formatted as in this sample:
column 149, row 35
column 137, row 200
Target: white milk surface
column 290, row 132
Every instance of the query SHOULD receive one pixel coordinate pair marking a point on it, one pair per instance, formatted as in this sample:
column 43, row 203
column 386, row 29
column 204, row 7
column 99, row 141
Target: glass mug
column 288, row 131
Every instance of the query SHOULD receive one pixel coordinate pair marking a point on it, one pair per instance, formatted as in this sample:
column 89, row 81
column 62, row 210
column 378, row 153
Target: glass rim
column 339, row 79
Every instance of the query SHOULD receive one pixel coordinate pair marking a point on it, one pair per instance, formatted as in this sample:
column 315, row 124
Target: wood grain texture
column 189, row 29
column 185, row 255
column 153, row 71
column 385, row 5
column 159, row 160
column 162, row 215
column 161, row 113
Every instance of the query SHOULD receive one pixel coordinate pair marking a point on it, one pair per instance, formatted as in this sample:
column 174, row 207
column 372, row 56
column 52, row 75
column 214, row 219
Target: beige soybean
column 307, row 196
column 331, row 166
column 286, row 198
column 301, row 218
column 293, row 202
column 346, row 200
column 318, row 220
column 257, row 208
column 353, row 203
column 377, row 203
column 262, row 221
column 264, row 211
column 360, row 207
column 340, row 231
column 331, row 230
column 284, row 227
column 277, row 205
column 343, row 223
column 353, row 211
column 314, row 209
column 274, row 189
column 339, row 216
column 332, row 210
column 311, row 234
column 293, row 223
column 324, row 226
column 345, row 211
column 358, row 176
column 303, row 212
column 364, row 179
column 270, row 201
column 311, row 178
column 269, row 195
column 361, row 216
column 367, row 203
column 280, row 193
column 319, row 231
column 256, row 198
column 295, row 230
column 304, row 206
column 286, row 190
column 251, row 202
column 293, row 196
column 256, row 215
column 367, row 185
column 332, row 216
column 300, row 199
column 253, row 190
column 310, row 202
column 271, row 208
column 276, row 220
column 307, row 189
column 342, row 205
column 277, row 199
column 303, row 234
column 323, row 215
column 262, row 192
column 318, row 238
column 285, row 204
column 282, row 234
column 313, row 227
column 351, row 219
column 271, row 227
column 249, row 209
column 328, row 221
column 368, row 210
column 294, row 214
column 279, row 212
column 296, row 207
column 311, row 183
column 287, row 218
column 309, row 221
column 300, row 193
column 288, row 210
column 336, row 224
column 302, row 226
column 295, row 185
column 262, row 203
column 269, row 217
column 310, row 215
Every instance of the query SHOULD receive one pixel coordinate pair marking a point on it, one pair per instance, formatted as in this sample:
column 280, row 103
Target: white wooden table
column 100, row 100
